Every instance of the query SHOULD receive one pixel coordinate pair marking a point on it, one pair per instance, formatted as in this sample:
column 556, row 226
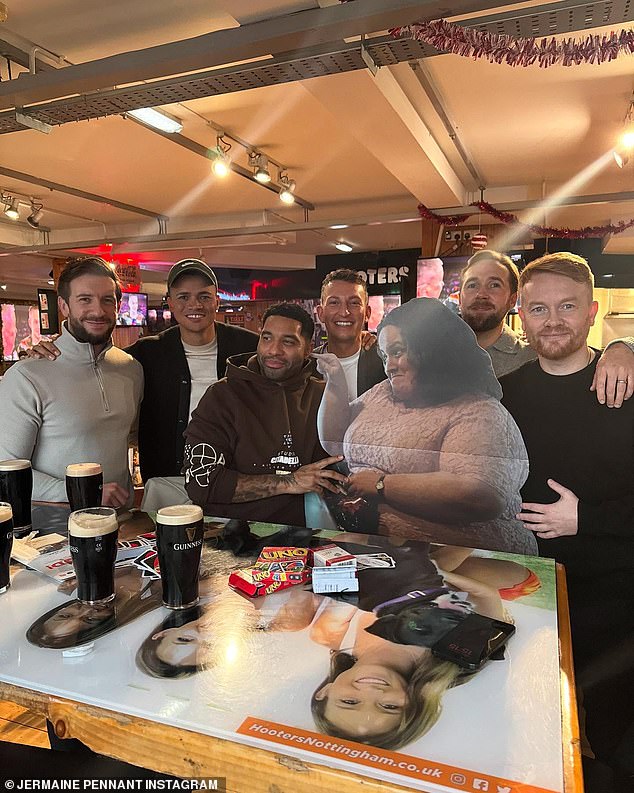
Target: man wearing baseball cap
column 179, row 365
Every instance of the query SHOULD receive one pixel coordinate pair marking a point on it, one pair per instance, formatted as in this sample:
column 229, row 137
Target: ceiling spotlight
column 287, row 189
column 340, row 226
column 627, row 138
column 50, row 282
column 157, row 119
column 625, row 146
column 343, row 247
column 260, row 164
column 12, row 209
column 3, row 287
column 37, row 210
column 221, row 164
column 620, row 158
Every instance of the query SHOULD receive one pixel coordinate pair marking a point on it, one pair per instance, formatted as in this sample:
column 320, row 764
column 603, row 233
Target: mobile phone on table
column 473, row 641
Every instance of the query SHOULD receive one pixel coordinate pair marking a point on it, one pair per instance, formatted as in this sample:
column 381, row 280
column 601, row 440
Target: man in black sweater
column 579, row 496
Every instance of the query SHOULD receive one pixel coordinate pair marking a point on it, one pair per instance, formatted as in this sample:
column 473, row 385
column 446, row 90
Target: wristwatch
column 380, row 486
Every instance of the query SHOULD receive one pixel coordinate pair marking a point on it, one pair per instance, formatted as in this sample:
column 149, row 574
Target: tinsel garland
column 471, row 43
column 540, row 231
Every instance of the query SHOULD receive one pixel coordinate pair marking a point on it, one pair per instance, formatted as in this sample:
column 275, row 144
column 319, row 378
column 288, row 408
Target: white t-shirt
column 350, row 368
column 203, row 370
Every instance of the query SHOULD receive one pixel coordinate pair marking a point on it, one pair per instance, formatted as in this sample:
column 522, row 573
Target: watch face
column 380, row 484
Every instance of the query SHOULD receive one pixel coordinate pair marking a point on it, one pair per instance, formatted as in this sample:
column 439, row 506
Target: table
column 166, row 723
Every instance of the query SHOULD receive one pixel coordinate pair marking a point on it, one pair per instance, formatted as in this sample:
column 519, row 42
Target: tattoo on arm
column 251, row 488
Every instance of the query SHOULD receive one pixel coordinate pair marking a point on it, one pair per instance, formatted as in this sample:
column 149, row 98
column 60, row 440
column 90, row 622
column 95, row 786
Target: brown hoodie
column 248, row 424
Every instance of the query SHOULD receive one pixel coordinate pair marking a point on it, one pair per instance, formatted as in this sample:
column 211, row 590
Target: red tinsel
column 539, row 231
column 471, row 43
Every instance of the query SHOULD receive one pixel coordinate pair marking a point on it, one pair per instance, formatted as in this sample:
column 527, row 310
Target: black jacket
column 165, row 406
column 370, row 370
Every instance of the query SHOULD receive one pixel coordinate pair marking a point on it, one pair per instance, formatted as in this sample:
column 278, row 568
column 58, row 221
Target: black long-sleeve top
column 586, row 447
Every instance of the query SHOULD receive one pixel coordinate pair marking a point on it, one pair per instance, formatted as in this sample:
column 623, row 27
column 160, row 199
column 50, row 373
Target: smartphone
column 473, row 641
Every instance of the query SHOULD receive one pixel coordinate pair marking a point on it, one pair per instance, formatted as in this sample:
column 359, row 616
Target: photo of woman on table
column 73, row 624
column 203, row 637
column 431, row 446
column 382, row 686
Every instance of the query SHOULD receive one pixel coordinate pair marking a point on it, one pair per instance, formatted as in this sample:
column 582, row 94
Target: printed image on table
column 351, row 681
column 73, row 624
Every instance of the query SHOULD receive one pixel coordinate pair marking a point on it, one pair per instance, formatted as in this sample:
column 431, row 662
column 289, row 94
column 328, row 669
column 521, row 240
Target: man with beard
column 579, row 495
column 488, row 291
column 81, row 408
column 251, row 447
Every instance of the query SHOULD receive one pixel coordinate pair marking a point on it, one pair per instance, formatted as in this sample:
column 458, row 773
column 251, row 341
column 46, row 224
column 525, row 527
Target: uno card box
column 244, row 581
column 281, row 564
column 332, row 556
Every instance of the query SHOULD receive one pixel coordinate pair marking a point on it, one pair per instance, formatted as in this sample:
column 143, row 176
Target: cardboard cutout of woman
column 431, row 447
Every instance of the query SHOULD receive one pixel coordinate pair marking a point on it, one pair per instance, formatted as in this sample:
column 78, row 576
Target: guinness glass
column 92, row 537
column 16, row 487
column 179, row 542
column 6, row 541
column 84, row 483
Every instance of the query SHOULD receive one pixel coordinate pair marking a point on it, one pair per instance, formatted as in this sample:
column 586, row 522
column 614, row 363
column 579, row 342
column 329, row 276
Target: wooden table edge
column 570, row 734
column 183, row 752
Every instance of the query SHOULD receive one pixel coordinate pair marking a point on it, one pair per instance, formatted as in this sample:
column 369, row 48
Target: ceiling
column 364, row 148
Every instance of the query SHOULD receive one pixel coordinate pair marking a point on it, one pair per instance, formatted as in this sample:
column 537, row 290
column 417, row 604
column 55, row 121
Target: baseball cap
column 193, row 266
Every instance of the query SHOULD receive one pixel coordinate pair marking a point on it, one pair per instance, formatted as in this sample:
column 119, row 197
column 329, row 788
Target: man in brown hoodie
column 251, row 447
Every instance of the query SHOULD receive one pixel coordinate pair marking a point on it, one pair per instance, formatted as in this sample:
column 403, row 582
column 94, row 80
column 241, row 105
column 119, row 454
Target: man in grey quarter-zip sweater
column 82, row 408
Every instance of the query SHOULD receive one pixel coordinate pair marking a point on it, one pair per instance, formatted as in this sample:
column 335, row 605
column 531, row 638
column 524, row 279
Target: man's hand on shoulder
column 614, row 376
column 113, row 495
column 368, row 340
column 44, row 349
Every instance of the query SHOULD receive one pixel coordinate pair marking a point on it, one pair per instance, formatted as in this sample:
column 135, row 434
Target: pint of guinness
column 6, row 541
column 179, row 542
column 92, row 537
column 84, row 483
column 16, row 487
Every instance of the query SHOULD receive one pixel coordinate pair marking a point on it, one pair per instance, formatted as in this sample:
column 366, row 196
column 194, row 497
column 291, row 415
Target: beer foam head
column 83, row 469
column 92, row 522
column 6, row 513
column 179, row 515
column 14, row 465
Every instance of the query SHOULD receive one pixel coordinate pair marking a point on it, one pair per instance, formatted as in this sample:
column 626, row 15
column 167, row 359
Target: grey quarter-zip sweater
column 78, row 408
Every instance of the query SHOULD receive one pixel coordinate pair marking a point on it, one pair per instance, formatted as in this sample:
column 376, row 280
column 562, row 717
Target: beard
column 557, row 350
column 81, row 334
column 480, row 322
column 286, row 372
